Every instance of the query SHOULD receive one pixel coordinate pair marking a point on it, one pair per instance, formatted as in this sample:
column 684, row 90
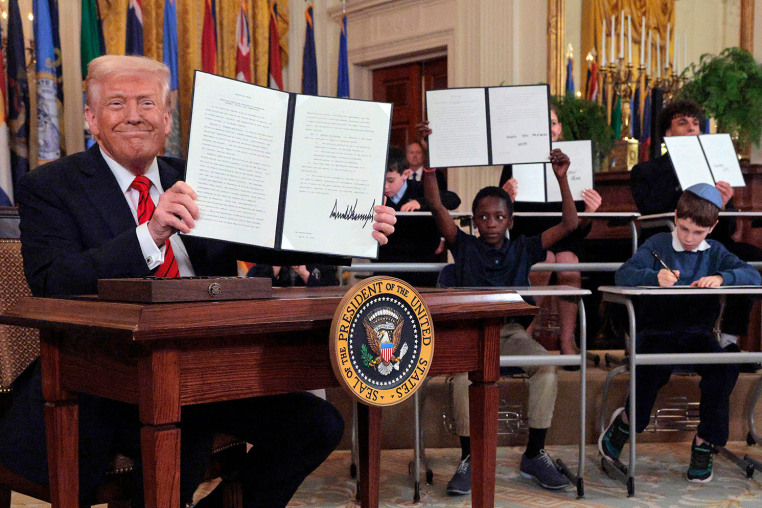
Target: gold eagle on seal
column 383, row 330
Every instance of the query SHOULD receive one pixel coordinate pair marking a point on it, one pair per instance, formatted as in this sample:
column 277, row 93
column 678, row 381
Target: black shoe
column 460, row 483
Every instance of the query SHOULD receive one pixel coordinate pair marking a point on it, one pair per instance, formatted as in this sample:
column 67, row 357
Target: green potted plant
column 584, row 119
column 729, row 87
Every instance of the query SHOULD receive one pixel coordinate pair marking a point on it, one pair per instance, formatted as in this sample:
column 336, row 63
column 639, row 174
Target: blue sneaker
column 700, row 469
column 542, row 470
column 460, row 483
column 611, row 442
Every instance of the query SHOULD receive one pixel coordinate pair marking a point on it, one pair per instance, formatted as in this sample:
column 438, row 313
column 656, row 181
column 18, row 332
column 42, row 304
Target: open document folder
column 286, row 171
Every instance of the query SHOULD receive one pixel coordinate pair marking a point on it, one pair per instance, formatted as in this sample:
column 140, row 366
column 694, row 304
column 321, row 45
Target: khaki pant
column 543, row 385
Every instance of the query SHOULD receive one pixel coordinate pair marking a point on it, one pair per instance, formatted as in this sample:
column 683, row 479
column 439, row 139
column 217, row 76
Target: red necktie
column 145, row 210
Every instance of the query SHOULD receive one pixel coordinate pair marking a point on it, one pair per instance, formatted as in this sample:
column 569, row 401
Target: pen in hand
column 661, row 260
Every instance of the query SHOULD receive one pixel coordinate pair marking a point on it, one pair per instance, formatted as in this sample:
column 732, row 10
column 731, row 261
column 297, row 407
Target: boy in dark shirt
column 494, row 260
column 671, row 324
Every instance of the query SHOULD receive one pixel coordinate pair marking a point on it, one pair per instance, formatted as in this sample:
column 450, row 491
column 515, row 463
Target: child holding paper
column 494, row 260
column 676, row 324
column 566, row 251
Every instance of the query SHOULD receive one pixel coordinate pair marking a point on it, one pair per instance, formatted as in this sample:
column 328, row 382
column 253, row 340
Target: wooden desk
column 164, row 356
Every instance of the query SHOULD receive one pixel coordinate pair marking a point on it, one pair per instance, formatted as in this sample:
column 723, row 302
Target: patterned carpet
column 659, row 482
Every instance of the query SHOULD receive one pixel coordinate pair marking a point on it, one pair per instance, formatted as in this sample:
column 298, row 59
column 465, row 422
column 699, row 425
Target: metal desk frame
column 623, row 296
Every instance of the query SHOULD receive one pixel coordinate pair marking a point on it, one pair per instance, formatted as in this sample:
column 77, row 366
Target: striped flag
column 276, row 72
column 92, row 45
column 309, row 64
column 243, row 45
column 18, row 95
column 592, row 89
column 172, row 145
column 134, row 42
column 6, row 177
column 342, row 81
column 48, row 144
column 209, row 40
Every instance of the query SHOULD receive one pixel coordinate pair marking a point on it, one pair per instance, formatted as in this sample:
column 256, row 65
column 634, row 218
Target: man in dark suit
column 112, row 212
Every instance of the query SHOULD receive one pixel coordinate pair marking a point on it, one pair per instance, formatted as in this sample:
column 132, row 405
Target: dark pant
column 735, row 318
column 291, row 435
column 716, row 385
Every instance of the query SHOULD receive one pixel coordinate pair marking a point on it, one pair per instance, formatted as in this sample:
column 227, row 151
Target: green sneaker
column 700, row 469
column 611, row 442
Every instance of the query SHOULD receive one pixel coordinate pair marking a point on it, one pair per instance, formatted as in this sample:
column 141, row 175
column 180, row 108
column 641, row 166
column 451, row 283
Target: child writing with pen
column 682, row 324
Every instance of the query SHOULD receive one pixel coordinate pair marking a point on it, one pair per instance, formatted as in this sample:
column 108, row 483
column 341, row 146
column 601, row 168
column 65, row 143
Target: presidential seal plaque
column 382, row 341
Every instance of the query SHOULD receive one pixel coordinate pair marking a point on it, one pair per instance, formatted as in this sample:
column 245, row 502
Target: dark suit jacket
column 76, row 228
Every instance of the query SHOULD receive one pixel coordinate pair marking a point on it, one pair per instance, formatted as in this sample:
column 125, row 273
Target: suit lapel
column 102, row 189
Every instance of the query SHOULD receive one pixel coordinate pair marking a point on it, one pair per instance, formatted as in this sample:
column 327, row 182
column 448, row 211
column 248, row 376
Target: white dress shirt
column 153, row 255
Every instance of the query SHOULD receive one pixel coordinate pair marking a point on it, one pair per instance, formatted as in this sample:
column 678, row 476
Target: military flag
column 209, row 40
column 172, row 145
column 342, row 81
column 48, row 144
column 134, row 41
column 309, row 64
column 18, row 95
column 276, row 72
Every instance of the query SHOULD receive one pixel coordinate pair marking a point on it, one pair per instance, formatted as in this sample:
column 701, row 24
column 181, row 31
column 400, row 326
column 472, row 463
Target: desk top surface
column 289, row 309
column 723, row 213
column 680, row 290
column 591, row 215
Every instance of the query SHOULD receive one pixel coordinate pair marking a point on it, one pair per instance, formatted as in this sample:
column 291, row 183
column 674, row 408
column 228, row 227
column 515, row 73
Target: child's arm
column 640, row 269
column 569, row 219
column 732, row 271
column 446, row 225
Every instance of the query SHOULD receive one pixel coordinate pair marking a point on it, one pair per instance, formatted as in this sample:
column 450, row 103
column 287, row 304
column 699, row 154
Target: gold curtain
column 190, row 19
column 657, row 12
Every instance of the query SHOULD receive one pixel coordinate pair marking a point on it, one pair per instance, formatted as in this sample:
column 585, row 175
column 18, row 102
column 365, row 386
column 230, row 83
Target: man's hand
column 410, row 206
column 726, row 191
column 592, row 200
column 175, row 211
column 383, row 223
column 560, row 162
column 511, row 186
column 711, row 281
column 667, row 278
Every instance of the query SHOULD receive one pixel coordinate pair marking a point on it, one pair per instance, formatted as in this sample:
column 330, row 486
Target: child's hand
column 423, row 129
column 560, row 162
column 592, row 200
column 711, row 281
column 726, row 192
column 512, row 188
column 667, row 278
column 410, row 206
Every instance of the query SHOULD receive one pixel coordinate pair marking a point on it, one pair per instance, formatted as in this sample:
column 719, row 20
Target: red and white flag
column 243, row 46
column 276, row 73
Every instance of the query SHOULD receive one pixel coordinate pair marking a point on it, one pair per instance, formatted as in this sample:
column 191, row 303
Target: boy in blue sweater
column 672, row 324
column 491, row 260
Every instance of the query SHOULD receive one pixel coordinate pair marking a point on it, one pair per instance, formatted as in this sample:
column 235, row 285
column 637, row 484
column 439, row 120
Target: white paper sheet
column 580, row 172
column 688, row 160
column 531, row 180
column 519, row 124
column 235, row 157
column 336, row 175
column 723, row 161
column 458, row 120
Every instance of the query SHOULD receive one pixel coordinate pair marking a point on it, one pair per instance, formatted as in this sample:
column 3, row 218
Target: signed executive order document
column 286, row 171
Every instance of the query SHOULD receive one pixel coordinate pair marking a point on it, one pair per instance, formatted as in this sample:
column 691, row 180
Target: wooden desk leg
column 61, row 427
column 369, row 427
column 483, row 401
column 161, row 465
column 159, row 404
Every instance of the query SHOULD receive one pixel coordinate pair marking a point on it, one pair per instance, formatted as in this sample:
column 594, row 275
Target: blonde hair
column 107, row 67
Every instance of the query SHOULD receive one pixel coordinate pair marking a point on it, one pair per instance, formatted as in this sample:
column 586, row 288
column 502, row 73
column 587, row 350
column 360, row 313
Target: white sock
column 727, row 339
